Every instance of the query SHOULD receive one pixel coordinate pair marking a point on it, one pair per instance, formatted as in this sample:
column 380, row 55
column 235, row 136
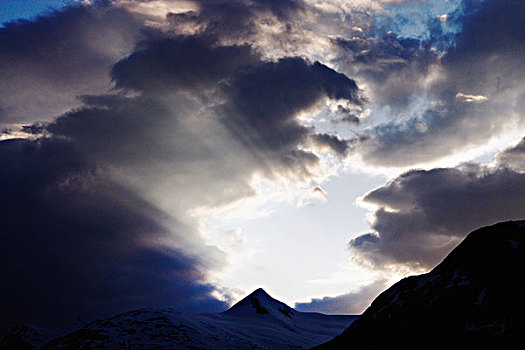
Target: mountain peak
column 259, row 292
column 500, row 242
column 261, row 303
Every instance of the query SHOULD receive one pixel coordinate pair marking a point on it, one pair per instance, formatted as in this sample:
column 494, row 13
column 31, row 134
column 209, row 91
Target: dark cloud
column 422, row 215
column 84, row 206
column 260, row 100
column 160, row 144
column 180, row 63
column 351, row 303
column 391, row 65
column 259, row 106
column 282, row 9
column 264, row 102
column 333, row 142
column 121, row 130
column 513, row 157
column 46, row 62
column 348, row 116
column 34, row 129
column 488, row 27
column 237, row 19
column 77, row 243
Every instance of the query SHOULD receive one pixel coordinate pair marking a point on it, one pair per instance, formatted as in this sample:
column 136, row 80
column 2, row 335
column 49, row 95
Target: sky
column 28, row 9
column 162, row 153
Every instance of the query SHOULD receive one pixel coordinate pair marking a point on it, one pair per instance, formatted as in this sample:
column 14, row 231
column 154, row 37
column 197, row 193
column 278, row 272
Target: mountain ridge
column 471, row 299
column 258, row 321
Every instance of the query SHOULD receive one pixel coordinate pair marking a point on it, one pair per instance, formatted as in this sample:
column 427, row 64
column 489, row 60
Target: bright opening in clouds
column 183, row 153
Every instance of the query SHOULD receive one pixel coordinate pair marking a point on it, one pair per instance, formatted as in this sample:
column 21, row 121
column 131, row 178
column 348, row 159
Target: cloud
column 264, row 103
column 181, row 111
column 180, row 63
column 391, row 66
column 77, row 243
column 320, row 190
column 249, row 113
column 164, row 122
column 423, row 215
column 333, row 142
column 351, row 303
column 267, row 26
column 46, row 62
column 513, row 157
column 120, row 130
column 259, row 100
column 348, row 115
column 420, row 85
column 470, row 98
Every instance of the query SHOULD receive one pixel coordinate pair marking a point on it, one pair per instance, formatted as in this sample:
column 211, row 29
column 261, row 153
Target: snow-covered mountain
column 474, row 299
column 256, row 322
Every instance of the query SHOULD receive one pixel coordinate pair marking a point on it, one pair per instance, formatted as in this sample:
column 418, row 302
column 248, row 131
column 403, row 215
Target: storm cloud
column 180, row 63
column 96, row 200
column 422, row 215
column 46, row 62
column 265, row 101
column 135, row 119
column 77, row 243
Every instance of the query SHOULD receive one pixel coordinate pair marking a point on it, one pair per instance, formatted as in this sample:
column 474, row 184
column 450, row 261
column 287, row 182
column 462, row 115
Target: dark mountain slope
column 473, row 299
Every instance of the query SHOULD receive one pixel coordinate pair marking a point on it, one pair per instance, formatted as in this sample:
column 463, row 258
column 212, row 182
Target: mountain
column 473, row 299
column 256, row 322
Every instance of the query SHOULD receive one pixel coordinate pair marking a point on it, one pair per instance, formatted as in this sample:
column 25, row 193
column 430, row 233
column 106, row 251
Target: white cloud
column 470, row 98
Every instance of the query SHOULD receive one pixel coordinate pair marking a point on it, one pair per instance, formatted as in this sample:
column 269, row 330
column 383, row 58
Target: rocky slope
column 473, row 299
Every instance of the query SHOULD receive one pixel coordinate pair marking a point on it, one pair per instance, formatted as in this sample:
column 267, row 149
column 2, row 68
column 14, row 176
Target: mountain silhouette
column 473, row 299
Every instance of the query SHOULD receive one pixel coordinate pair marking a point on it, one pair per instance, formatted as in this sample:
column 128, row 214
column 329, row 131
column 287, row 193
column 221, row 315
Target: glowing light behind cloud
column 188, row 117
